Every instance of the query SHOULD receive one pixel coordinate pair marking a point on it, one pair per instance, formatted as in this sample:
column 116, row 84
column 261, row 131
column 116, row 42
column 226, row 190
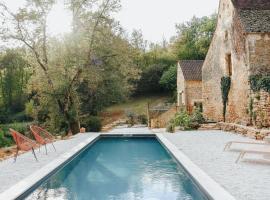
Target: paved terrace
column 248, row 180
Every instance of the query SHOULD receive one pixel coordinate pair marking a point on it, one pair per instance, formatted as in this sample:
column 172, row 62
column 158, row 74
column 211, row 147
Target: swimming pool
column 120, row 168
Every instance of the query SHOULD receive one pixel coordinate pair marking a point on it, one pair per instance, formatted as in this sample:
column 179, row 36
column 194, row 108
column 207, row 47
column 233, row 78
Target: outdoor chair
column 23, row 143
column 42, row 136
column 244, row 152
column 229, row 144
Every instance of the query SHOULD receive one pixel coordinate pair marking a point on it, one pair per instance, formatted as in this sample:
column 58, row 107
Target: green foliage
column 194, row 38
column 149, row 81
column 171, row 127
column 14, row 76
column 189, row 122
column 225, row 89
column 5, row 137
column 169, row 78
column 259, row 82
column 142, row 119
column 264, row 83
column 4, row 140
column 92, row 124
column 197, row 116
column 132, row 118
column 153, row 64
column 29, row 109
column 183, row 119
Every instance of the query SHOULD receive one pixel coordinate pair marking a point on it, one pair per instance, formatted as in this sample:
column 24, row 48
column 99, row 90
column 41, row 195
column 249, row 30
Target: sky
column 155, row 18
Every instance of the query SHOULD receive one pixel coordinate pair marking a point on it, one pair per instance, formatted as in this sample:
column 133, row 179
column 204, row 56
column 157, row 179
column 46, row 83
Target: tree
column 169, row 78
column 194, row 38
column 14, row 76
column 29, row 26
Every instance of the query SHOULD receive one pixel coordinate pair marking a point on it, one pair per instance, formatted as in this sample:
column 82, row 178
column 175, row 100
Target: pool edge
column 18, row 190
column 210, row 187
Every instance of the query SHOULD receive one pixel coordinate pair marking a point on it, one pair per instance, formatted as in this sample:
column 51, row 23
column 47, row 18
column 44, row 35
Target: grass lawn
column 137, row 105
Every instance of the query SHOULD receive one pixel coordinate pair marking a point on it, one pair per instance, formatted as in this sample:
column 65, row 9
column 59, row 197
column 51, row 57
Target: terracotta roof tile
column 192, row 69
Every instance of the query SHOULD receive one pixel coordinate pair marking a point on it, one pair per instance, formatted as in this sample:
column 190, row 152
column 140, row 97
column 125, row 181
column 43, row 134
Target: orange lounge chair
column 23, row 143
column 42, row 136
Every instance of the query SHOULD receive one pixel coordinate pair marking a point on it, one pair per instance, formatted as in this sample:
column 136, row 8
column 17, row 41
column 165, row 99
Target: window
column 229, row 64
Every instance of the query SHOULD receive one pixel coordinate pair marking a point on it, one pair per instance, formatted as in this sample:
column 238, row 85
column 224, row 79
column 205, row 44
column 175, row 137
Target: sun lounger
column 229, row 144
column 243, row 153
column 42, row 136
column 23, row 143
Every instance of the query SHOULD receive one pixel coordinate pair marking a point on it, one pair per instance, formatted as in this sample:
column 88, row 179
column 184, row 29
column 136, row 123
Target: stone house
column 189, row 84
column 240, row 49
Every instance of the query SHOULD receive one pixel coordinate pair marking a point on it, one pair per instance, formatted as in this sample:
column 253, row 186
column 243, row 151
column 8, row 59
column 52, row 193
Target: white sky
column 156, row 18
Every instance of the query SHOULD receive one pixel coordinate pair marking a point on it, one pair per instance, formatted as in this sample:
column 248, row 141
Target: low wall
column 162, row 120
column 244, row 130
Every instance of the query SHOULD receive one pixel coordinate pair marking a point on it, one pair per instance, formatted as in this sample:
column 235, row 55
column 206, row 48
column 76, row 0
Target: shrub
column 197, row 116
column 6, row 138
column 183, row 119
column 188, row 122
column 142, row 119
column 5, row 141
column 131, row 118
column 170, row 128
column 92, row 124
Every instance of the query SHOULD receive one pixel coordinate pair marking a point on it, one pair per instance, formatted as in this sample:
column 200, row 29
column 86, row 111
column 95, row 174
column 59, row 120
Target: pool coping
column 211, row 188
column 18, row 190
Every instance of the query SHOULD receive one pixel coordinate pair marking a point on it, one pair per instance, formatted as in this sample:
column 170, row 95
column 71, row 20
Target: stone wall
column 180, row 87
column 227, row 40
column 259, row 63
column 261, row 109
column 259, row 53
column 250, row 132
column 193, row 93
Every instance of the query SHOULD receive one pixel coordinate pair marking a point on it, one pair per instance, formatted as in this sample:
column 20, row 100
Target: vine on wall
column 225, row 89
column 259, row 82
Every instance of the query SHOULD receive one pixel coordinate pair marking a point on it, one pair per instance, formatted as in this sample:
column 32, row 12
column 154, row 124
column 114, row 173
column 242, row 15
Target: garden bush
column 142, row 119
column 171, row 127
column 92, row 124
column 197, row 116
column 183, row 119
column 189, row 122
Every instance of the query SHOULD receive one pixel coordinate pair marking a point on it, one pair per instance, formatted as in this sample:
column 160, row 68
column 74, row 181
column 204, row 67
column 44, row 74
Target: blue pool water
column 120, row 169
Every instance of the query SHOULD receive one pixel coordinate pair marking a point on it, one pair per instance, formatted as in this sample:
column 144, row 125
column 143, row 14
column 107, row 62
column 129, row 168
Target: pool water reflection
column 120, row 169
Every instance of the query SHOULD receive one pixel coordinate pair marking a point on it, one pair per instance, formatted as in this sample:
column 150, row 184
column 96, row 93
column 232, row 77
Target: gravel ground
column 247, row 180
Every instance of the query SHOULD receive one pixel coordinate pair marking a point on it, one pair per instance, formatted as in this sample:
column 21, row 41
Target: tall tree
column 29, row 26
column 14, row 75
column 194, row 38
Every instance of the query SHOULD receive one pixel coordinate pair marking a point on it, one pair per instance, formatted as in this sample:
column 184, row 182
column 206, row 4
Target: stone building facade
column 189, row 84
column 240, row 48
